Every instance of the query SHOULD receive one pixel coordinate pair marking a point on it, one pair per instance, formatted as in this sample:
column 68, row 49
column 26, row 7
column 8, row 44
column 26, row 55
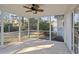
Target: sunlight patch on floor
column 35, row 48
column 16, row 43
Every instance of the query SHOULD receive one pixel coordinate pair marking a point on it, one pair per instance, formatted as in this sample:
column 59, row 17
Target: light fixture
column 34, row 12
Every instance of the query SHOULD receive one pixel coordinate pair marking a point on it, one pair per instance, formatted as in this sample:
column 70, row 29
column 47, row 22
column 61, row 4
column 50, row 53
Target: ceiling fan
column 34, row 8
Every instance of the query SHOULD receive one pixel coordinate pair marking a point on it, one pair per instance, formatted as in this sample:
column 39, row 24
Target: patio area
column 35, row 46
column 39, row 28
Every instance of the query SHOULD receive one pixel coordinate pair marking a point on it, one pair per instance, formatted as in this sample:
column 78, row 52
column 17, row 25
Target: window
column 76, row 30
column 33, row 27
column 24, row 28
column 11, row 28
column 44, row 27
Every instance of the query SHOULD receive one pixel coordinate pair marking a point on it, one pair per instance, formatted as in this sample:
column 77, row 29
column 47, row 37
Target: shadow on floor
column 58, row 38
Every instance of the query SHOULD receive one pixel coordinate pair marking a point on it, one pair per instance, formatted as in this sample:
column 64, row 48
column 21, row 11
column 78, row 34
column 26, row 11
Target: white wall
column 67, row 30
column 68, row 26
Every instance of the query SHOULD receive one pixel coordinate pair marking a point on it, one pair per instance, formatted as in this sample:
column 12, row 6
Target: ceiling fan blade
column 40, row 10
column 26, row 7
column 28, row 11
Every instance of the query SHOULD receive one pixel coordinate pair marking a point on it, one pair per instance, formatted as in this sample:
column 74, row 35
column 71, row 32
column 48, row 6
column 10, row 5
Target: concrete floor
column 35, row 47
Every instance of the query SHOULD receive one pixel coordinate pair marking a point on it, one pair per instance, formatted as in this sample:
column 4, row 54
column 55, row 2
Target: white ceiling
column 49, row 9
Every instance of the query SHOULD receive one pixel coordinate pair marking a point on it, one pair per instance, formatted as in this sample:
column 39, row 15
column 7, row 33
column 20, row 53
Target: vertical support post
column 2, row 29
column 73, row 31
column 19, row 29
column 50, row 27
column 38, row 27
column 28, row 29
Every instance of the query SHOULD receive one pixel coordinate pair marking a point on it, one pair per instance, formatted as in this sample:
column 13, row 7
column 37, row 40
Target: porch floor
column 36, row 46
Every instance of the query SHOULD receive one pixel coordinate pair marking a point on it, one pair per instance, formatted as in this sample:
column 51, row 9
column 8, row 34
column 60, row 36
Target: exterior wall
column 67, row 30
column 68, row 26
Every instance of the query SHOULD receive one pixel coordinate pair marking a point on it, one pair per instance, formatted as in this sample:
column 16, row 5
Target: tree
column 33, row 23
column 43, row 25
column 24, row 24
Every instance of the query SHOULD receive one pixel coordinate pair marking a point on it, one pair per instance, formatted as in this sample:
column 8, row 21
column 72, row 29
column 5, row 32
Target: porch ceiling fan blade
column 40, row 10
column 26, row 7
column 28, row 11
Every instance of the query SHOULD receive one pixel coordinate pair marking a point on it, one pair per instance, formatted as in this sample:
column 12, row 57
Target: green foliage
column 24, row 25
column 6, row 27
column 9, row 26
column 43, row 25
column 33, row 23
